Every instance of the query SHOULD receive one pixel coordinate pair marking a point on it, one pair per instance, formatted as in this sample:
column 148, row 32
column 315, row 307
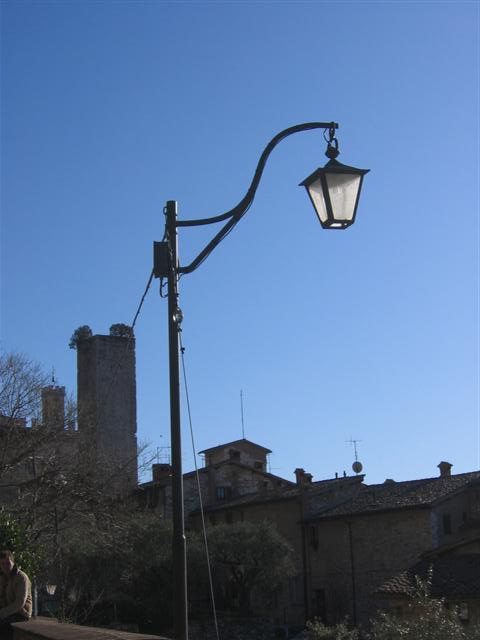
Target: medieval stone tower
column 106, row 399
column 53, row 407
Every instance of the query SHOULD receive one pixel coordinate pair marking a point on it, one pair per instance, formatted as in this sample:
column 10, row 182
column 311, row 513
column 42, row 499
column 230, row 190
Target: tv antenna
column 357, row 466
column 241, row 410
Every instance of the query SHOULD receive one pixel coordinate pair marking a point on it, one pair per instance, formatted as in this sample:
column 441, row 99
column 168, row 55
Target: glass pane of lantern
column 316, row 194
column 343, row 190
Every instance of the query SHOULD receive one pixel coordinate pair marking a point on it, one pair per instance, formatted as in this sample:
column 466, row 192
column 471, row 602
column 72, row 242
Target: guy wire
column 210, row 579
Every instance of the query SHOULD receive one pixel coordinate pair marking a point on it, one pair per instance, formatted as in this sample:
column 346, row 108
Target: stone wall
column 232, row 629
column 49, row 629
column 355, row 556
column 106, row 392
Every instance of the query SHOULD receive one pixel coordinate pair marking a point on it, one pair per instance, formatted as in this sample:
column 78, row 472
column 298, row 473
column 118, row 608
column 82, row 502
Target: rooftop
column 399, row 495
column 452, row 576
column 282, row 494
column 236, row 443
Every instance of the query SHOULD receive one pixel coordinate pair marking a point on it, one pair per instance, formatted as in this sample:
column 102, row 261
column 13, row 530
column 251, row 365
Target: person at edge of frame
column 15, row 595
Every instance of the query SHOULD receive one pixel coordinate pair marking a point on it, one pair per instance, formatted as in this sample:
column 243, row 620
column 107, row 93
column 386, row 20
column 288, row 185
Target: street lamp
column 334, row 191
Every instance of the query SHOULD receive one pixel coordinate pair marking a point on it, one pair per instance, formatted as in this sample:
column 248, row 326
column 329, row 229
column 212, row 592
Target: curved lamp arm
column 234, row 215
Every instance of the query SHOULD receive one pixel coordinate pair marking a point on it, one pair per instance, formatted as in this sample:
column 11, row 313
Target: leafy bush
column 82, row 333
column 121, row 330
column 316, row 630
column 426, row 618
column 14, row 538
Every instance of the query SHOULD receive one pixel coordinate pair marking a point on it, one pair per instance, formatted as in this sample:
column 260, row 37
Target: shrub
column 82, row 333
column 14, row 538
column 121, row 330
column 426, row 618
column 316, row 630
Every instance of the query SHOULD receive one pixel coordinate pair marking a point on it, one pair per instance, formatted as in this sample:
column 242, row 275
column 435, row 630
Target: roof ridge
column 432, row 479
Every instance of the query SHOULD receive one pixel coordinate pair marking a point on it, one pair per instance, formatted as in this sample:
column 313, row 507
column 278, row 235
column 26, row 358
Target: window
column 223, row 493
column 312, row 532
column 234, row 454
column 258, row 465
column 447, row 524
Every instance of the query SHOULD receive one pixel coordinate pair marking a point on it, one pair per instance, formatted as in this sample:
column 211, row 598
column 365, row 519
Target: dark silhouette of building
column 106, row 398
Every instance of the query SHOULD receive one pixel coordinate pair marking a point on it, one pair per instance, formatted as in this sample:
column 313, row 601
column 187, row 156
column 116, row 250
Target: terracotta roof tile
column 453, row 576
column 399, row 495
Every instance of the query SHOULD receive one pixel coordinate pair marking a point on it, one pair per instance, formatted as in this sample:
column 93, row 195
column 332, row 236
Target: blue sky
column 111, row 108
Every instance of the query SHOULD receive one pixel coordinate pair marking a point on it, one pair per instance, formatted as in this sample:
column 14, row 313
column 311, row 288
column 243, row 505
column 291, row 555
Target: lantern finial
column 332, row 151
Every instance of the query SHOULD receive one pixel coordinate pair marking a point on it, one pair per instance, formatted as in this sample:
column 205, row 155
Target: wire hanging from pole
column 204, row 528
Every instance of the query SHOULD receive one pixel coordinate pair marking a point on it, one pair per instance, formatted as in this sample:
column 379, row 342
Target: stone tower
column 106, row 399
column 53, row 407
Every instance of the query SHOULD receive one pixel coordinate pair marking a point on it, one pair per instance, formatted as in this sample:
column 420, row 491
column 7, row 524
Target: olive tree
column 250, row 561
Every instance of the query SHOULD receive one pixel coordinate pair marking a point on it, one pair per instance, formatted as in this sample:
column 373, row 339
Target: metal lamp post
column 334, row 191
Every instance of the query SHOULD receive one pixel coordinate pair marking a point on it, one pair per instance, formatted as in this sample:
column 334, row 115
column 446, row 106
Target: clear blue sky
column 111, row 108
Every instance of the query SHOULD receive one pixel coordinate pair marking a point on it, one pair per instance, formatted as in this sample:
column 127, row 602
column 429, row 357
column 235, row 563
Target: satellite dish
column 357, row 466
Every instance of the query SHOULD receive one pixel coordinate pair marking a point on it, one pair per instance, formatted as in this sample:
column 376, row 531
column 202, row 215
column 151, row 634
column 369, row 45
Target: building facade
column 349, row 538
column 106, row 402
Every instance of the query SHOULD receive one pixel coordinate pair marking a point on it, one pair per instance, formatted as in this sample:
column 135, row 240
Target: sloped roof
column 452, row 576
column 240, row 465
column 236, row 443
column 234, row 463
column 399, row 495
column 280, row 494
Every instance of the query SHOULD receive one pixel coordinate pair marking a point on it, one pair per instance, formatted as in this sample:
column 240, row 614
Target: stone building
column 356, row 545
column 236, row 486
column 231, row 470
column 106, row 402
column 383, row 530
column 287, row 508
column 451, row 571
column 106, row 435
column 349, row 538
column 30, row 451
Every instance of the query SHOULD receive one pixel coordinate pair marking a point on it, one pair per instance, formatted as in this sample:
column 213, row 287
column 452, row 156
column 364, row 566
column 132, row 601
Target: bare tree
column 53, row 478
column 21, row 381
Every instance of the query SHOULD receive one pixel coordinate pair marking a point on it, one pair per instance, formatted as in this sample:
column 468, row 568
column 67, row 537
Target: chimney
column 445, row 469
column 53, row 407
column 161, row 472
column 302, row 477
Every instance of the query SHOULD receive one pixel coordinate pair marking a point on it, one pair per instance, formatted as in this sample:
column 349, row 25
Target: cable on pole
column 204, row 528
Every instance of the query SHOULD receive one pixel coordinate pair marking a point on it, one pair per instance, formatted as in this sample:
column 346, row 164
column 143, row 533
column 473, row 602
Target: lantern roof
column 332, row 166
